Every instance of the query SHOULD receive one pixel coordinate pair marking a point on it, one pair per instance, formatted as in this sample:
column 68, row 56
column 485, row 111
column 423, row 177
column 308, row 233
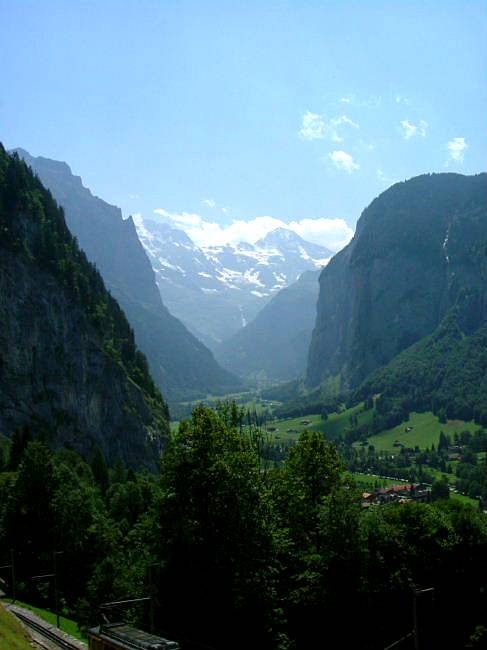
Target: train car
column 118, row 636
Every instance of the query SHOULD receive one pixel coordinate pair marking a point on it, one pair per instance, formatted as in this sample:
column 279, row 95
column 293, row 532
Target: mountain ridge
column 181, row 365
column 406, row 266
column 69, row 368
column 217, row 290
column 275, row 344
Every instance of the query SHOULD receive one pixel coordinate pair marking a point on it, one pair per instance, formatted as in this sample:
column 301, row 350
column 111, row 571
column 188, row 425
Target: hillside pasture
column 291, row 428
column 424, row 431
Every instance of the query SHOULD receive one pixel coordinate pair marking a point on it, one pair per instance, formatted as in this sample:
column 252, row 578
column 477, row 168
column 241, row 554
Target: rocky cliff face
column 275, row 344
column 181, row 365
column 69, row 369
column 417, row 252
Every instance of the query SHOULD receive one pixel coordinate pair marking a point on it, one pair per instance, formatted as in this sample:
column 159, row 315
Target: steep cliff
column 181, row 365
column 417, row 253
column 275, row 344
column 69, row 367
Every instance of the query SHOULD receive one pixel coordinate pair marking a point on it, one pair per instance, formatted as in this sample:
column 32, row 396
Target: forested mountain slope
column 445, row 372
column 180, row 364
column 419, row 250
column 69, row 368
column 275, row 344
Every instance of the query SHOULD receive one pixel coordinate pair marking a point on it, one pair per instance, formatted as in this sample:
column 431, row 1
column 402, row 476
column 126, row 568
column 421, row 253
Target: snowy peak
column 214, row 289
column 286, row 240
column 279, row 237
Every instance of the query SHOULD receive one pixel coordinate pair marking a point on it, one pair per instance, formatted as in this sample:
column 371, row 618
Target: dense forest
column 445, row 373
column 69, row 366
column 238, row 551
column 54, row 249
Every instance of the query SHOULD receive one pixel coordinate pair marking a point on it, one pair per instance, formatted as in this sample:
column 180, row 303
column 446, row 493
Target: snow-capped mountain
column 217, row 290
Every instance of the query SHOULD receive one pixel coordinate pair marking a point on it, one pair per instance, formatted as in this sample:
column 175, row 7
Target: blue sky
column 228, row 111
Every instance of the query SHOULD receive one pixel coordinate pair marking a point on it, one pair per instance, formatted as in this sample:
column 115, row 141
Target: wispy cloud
column 410, row 130
column 456, row 150
column 313, row 127
column 343, row 161
column 209, row 203
column 400, row 99
column 318, row 127
column 332, row 233
column 134, row 196
column 372, row 101
column 384, row 179
column 369, row 146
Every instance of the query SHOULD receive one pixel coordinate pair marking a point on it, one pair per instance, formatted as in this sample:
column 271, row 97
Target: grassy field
column 66, row 624
column 338, row 423
column 333, row 427
column 12, row 634
column 425, row 431
column 371, row 481
column 247, row 400
column 291, row 428
column 464, row 499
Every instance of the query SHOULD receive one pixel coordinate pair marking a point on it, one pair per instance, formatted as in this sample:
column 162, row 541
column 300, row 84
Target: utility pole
column 11, row 566
column 118, row 604
column 53, row 575
column 415, row 631
column 151, row 603
column 415, row 620
column 56, row 596
column 416, row 593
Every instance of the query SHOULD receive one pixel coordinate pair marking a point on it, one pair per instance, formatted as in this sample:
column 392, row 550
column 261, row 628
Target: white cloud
column 409, row 130
column 134, row 196
column 383, row 178
column 209, row 203
column 313, row 127
column 318, row 127
column 402, row 100
column 370, row 146
column 344, row 119
column 343, row 161
column 372, row 101
column 332, row 233
column 456, row 149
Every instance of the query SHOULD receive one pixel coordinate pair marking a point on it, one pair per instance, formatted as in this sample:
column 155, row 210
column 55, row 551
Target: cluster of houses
column 401, row 493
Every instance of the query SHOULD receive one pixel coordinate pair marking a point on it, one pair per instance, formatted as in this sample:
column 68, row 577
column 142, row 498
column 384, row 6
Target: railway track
column 48, row 632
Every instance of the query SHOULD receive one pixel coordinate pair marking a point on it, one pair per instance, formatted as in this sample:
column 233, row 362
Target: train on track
column 119, row 636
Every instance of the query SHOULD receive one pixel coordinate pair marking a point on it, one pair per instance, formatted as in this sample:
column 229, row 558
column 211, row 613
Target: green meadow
column 425, row 431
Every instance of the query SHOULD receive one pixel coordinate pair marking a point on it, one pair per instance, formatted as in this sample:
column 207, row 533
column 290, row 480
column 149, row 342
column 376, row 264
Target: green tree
column 30, row 515
column 100, row 470
column 20, row 439
column 311, row 472
column 216, row 535
column 440, row 490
